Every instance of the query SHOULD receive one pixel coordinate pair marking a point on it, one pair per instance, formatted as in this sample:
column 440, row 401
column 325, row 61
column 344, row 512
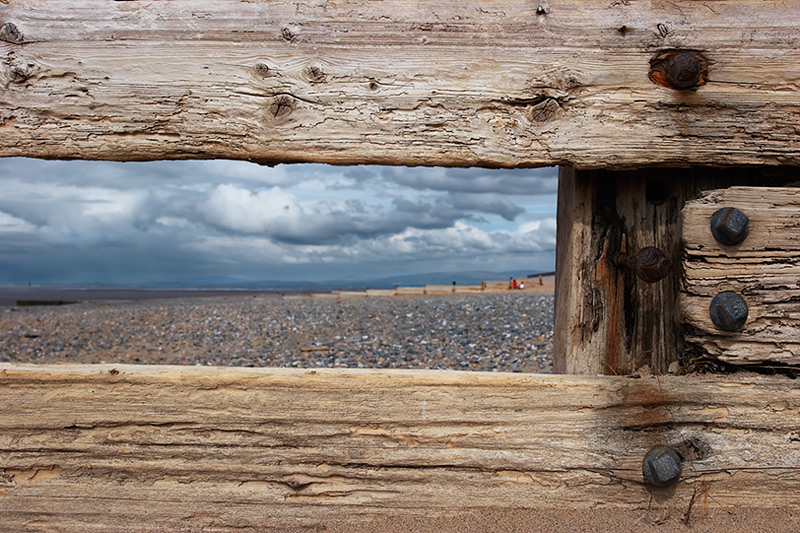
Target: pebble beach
column 504, row 332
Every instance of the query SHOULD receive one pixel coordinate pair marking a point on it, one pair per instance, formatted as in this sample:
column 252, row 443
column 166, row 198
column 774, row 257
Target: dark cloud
column 184, row 222
column 279, row 215
column 490, row 203
column 516, row 182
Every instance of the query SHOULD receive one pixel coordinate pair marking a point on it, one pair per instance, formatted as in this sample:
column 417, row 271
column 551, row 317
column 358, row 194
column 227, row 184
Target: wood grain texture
column 608, row 319
column 102, row 448
column 456, row 83
column 764, row 269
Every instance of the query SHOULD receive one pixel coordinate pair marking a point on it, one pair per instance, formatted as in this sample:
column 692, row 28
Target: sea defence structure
column 426, row 289
column 675, row 127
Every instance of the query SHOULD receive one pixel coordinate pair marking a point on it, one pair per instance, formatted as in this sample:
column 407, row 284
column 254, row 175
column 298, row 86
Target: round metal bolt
column 682, row 71
column 653, row 265
column 728, row 311
column 650, row 264
column 730, row 226
column 662, row 466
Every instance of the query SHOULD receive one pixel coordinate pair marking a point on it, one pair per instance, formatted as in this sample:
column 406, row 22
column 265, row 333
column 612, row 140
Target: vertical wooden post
column 608, row 320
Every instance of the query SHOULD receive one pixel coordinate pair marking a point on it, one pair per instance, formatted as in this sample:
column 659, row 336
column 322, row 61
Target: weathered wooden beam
column 455, row 82
column 130, row 448
column 763, row 269
column 615, row 312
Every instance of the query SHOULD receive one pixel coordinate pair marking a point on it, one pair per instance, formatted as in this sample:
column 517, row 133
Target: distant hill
column 360, row 283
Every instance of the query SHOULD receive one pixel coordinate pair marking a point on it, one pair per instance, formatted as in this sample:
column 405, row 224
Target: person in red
column 515, row 284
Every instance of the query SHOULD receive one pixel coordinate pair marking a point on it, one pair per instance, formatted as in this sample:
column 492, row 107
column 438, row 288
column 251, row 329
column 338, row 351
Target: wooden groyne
column 532, row 285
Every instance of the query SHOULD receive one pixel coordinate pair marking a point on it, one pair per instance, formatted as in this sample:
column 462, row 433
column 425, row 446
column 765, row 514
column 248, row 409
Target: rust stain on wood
column 679, row 70
column 406, row 83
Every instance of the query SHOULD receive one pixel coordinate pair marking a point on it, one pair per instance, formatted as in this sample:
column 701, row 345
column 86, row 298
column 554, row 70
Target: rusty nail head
column 730, row 226
column 662, row 466
column 682, row 71
column 728, row 311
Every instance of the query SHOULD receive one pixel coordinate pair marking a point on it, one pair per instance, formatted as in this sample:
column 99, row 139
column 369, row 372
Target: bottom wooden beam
column 135, row 448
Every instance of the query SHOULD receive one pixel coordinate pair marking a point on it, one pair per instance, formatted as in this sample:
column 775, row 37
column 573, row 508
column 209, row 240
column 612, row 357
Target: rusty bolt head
column 652, row 264
column 662, row 466
column 730, row 226
column 682, row 71
column 728, row 311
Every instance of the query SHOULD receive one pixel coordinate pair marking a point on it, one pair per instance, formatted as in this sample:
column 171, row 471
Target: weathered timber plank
column 764, row 269
column 131, row 448
column 609, row 320
column 501, row 84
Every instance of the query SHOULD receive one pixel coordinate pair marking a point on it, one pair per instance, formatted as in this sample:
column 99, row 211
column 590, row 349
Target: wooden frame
column 497, row 84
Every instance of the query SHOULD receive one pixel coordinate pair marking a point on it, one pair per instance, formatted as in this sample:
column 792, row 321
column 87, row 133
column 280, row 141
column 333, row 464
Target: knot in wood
column 545, row 110
column 11, row 34
column 19, row 74
column 288, row 34
column 262, row 69
column 282, row 106
column 315, row 74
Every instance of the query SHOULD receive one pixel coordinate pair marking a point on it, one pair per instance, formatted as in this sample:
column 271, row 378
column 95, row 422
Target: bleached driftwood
column 107, row 448
column 454, row 83
column 764, row 269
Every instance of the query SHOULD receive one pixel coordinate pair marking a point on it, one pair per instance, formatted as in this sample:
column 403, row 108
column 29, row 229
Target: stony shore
column 506, row 331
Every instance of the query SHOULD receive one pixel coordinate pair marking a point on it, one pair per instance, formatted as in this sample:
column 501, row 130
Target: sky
column 215, row 222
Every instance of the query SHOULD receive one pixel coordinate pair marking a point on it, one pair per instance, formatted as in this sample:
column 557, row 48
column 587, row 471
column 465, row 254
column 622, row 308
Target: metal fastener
column 730, row 226
column 682, row 71
column 650, row 264
column 662, row 466
column 728, row 311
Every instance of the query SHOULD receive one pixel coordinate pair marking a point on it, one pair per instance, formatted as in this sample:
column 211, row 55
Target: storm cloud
column 196, row 221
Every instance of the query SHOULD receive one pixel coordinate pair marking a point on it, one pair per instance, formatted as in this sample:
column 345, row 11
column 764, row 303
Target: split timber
column 119, row 448
column 509, row 83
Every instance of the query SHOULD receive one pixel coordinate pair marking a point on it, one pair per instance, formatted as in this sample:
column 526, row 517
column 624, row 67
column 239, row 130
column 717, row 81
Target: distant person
column 514, row 284
column 540, row 280
column 510, row 283
column 521, row 285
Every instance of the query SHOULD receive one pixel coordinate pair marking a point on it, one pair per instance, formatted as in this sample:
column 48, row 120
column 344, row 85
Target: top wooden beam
column 451, row 82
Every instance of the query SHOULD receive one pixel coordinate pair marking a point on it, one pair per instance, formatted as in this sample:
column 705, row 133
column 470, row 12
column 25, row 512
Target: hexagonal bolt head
column 728, row 311
column 730, row 226
column 662, row 466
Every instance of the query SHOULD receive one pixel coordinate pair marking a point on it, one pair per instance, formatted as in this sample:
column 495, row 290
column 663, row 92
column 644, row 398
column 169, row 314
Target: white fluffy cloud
column 270, row 211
